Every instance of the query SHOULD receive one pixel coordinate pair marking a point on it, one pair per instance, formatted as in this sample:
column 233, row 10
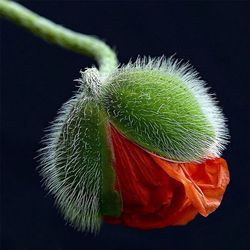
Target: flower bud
column 165, row 108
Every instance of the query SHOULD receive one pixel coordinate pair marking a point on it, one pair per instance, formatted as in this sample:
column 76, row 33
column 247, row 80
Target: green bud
column 164, row 107
column 77, row 160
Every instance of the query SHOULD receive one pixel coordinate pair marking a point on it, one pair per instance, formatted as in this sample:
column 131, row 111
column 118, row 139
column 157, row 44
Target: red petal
column 157, row 193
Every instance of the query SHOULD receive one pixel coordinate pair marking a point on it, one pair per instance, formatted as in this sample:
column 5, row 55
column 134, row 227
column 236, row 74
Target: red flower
column 157, row 193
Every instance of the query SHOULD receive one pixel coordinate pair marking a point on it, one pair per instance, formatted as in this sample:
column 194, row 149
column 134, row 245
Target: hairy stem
column 56, row 34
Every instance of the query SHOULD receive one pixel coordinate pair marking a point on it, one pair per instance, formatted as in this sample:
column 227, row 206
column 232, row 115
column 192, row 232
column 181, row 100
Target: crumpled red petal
column 157, row 193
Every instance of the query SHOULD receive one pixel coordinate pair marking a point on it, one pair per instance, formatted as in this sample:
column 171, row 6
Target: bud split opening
column 159, row 105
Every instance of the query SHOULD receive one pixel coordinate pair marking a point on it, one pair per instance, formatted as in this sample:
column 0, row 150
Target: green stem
column 56, row 34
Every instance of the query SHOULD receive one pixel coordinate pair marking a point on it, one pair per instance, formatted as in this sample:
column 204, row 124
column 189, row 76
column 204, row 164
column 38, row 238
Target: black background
column 36, row 78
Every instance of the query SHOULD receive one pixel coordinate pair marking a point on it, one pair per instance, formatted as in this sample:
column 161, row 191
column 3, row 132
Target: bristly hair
column 68, row 173
column 191, row 79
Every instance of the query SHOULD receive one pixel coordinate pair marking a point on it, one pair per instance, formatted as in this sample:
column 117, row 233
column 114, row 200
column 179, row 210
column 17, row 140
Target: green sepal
column 159, row 111
column 77, row 164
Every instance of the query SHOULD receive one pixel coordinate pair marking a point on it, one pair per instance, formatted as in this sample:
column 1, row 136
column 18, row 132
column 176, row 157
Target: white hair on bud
column 190, row 77
column 91, row 81
column 78, row 199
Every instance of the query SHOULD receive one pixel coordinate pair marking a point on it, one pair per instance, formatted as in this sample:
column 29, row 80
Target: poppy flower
column 139, row 147
column 157, row 193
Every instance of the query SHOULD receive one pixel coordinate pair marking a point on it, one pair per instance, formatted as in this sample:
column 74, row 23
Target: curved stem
column 54, row 33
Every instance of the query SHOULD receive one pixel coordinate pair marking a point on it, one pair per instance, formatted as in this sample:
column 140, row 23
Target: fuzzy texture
column 165, row 107
column 76, row 164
